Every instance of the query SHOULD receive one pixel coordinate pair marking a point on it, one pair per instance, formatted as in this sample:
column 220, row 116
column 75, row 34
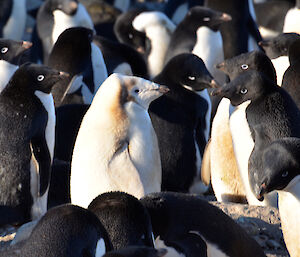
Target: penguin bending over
column 118, row 150
column 27, row 151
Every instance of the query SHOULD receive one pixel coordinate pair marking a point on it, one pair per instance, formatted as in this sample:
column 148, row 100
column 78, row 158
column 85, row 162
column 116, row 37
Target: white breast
column 171, row 251
column 292, row 21
column 15, row 26
column 123, row 68
column 280, row 64
column 6, row 72
column 100, row 248
column 205, row 95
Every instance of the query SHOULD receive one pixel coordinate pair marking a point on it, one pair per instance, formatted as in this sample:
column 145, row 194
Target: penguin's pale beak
column 64, row 74
column 214, row 84
column 263, row 43
column 163, row 89
column 221, row 66
column 262, row 191
column 226, row 17
column 26, row 44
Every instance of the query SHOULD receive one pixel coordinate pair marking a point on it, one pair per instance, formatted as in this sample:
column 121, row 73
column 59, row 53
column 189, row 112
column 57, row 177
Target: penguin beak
column 263, row 43
column 163, row 89
column 262, row 191
column 26, row 44
column 64, row 74
column 225, row 17
column 214, row 84
column 221, row 66
column 221, row 91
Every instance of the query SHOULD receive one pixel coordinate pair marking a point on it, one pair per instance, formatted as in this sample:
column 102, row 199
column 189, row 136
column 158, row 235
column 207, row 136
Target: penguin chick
column 118, row 150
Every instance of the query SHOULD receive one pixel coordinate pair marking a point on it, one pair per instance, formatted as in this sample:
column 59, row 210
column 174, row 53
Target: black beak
column 262, row 191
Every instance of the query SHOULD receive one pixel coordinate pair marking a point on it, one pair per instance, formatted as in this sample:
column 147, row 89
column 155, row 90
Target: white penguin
column 116, row 147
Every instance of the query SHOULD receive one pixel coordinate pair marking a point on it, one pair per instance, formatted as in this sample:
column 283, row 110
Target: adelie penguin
column 10, row 53
column 55, row 16
column 26, row 106
column 179, row 120
column 116, row 145
column 187, row 225
column 75, row 53
column 12, row 19
column 125, row 219
column 281, row 173
column 64, row 231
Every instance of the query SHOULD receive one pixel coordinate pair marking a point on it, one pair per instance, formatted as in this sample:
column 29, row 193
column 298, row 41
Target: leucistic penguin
column 116, row 147
column 277, row 50
column 75, row 53
column 26, row 106
column 281, row 168
column 10, row 53
column 125, row 219
column 158, row 29
column 64, row 231
column 187, row 225
column 55, row 16
column 178, row 118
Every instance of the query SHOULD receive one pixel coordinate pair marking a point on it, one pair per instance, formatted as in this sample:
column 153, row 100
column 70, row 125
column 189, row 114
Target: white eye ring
column 130, row 35
column 206, row 19
column 244, row 91
column 40, row 77
column 191, row 77
column 284, row 174
column 244, row 66
column 4, row 50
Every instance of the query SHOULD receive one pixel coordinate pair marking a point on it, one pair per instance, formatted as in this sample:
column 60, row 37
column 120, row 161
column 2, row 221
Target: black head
column 125, row 32
column 279, row 46
column 125, row 219
column 67, row 230
column 189, row 70
column 250, row 85
column 137, row 251
column 281, row 164
column 255, row 60
column 294, row 52
column 31, row 77
column 67, row 6
column 202, row 16
column 11, row 51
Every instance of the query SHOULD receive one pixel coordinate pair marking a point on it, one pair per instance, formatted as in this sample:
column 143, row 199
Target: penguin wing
column 42, row 156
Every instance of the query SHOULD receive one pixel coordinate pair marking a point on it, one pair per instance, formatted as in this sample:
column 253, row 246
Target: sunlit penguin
column 292, row 19
column 116, row 148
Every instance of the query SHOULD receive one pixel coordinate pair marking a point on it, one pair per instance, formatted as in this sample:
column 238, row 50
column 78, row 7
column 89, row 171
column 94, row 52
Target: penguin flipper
column 42, row 156
column 205, row 165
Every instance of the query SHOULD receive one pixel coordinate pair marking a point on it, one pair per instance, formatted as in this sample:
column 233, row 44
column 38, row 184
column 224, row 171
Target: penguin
column 176, row 117
column 118, row 150
column 291, row 19
column 137, row 251
column 27, row 106
column 281, row 173
column 55, row 16
column 121, row 58
column 64, row 231
column 158, row 29
column 12, row 19
column 75, row 53
column 125, row 219
column 11, row 52
column 277, row 50
column 193, row 227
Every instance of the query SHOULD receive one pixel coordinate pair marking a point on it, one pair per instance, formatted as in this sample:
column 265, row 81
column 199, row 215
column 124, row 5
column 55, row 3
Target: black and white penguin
column 26, row 106
column 125, row 219
column 277, row 50
column 120, row 139
column 10, row 53
column 55, row 16
column 75, row 53
column 178, row 118
column 193, row 227
column 281, row 173
column 137, row 251
column 12, row 19
column 292, row 20
column 64, row 231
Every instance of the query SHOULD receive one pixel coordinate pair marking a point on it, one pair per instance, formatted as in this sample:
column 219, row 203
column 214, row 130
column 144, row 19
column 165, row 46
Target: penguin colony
column 112, row 113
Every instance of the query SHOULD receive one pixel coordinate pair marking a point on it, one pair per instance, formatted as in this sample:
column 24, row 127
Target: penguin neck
column 6, row 71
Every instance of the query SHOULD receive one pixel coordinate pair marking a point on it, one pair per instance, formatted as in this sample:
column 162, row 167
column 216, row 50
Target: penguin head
column 125, row 219
column 202, row 16
column 137, row 251
column 11, row 50
column 32, row 77
column 69, row 7
column 189, row 71
column 278, row 46
column 250, row 85
column 281, row 166
column 255, row 60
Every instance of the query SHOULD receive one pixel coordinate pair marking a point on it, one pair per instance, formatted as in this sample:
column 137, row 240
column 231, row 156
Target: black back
column 125, row 219
column 5, row 12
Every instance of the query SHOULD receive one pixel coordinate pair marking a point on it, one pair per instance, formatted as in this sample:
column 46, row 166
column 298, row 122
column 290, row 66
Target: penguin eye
column 191, row 77
column 136, row 91
column 244, row 66
column 284, row 174
column 4, row 50
column 130, row 35
column 244, row 91
column 40, row 77
column 206, row 19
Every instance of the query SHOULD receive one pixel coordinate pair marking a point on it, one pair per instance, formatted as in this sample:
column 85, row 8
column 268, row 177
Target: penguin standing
column 27, row 150
column 56, row 16
column 176, row 117
column 116, row 147
column 64, row 231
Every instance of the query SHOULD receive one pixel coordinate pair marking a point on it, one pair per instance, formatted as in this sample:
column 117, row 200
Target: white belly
column 6, row 72
column 280, row 64
column 205, row 95
column 292, row 21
